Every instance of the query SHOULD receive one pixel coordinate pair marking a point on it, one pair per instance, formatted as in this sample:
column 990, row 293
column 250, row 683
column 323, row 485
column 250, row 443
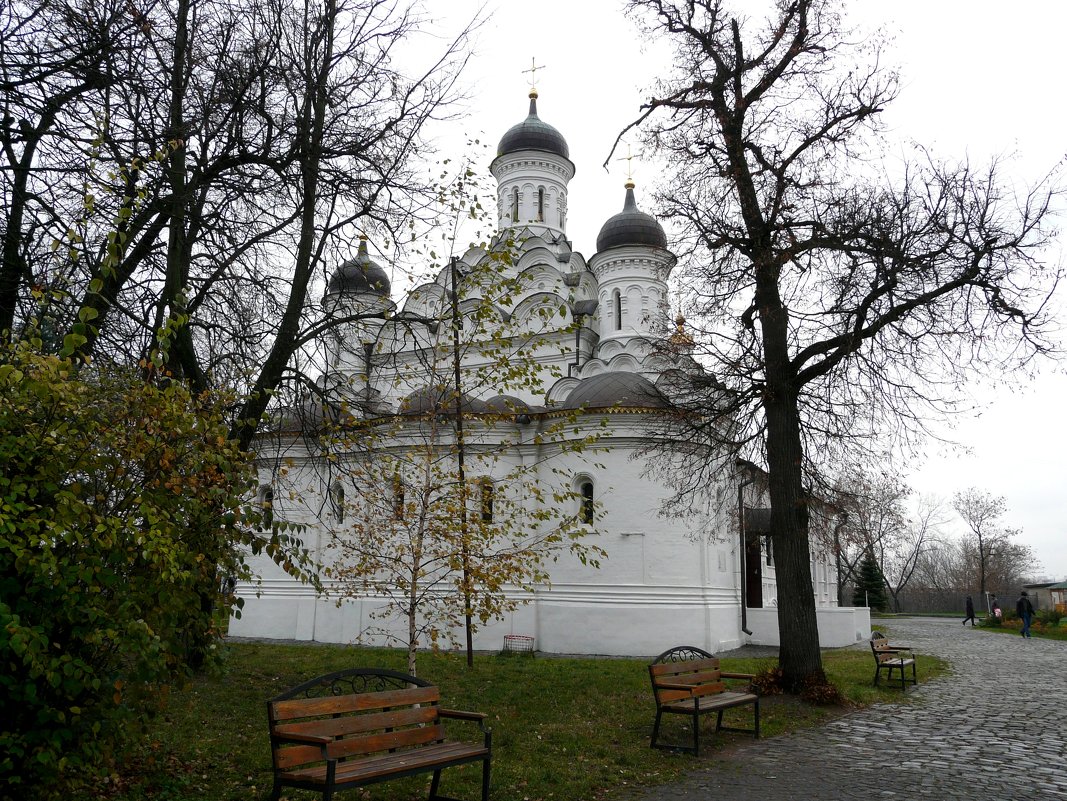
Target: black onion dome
column 631, row 227
column 615, row 389
column 359, row 275
column 533, row 134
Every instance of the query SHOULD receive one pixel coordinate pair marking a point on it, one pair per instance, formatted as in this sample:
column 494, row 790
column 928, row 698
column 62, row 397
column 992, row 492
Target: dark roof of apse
column 629, row 390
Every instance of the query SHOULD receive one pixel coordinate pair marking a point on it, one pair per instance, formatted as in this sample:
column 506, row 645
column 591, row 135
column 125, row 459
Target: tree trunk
column 799, row 656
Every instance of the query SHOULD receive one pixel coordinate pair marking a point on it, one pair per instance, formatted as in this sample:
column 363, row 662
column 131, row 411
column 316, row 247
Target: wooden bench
column 892, row 657
column 687, row 681
column 363, row 726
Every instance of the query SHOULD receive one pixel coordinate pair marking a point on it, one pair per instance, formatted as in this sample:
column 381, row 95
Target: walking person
column 970, row 613
column 1026, row 612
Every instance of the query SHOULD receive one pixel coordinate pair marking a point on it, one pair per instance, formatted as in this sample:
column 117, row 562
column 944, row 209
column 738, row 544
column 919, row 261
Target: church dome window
column 266, row 505
column 586, row 501
column 337, row 500
column 487, row 497
column 398, row 497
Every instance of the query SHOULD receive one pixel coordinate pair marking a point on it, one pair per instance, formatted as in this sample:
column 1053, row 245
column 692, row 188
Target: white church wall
column 838, row 625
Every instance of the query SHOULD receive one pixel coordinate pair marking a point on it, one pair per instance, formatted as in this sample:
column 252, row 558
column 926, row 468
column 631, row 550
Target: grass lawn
column 1037, row 630
column 565, row 729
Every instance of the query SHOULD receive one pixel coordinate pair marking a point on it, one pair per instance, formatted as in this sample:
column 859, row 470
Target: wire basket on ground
column 518, row 645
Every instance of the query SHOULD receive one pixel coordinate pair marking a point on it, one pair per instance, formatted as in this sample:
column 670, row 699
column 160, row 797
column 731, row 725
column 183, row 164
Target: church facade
column 593, row 349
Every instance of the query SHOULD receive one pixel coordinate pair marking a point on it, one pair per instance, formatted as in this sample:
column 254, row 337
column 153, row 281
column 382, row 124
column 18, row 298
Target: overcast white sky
column 979, row 78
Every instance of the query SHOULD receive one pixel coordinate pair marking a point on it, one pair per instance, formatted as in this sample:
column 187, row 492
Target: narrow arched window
column 585, row 512
column 616, row 304
column 398, row 498
column 337, row 501
column 488, row 495
column 515, row 204
column 541, row 204
column 266, row 505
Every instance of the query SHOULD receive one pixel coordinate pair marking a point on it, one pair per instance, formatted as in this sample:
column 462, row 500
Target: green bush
column 1050, row 617
column 117, row 508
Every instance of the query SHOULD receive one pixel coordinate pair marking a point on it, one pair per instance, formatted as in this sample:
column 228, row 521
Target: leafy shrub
column 768, row 682
column 817, row 690
column 1049, row 617
column 118, row 504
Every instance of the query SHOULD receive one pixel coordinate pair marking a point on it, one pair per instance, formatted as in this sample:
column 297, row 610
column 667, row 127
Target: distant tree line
column 900, row 556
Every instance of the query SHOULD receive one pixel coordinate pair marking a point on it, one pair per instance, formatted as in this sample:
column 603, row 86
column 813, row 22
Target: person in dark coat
column 970, row 613
column 1026, row 612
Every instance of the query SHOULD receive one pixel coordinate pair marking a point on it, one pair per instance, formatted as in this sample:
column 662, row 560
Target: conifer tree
column 870, row 584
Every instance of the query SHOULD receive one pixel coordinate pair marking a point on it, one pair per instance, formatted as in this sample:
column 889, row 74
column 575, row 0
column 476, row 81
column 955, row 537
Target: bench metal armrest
column 474, row 717
column 298, row 737
column 460, row 715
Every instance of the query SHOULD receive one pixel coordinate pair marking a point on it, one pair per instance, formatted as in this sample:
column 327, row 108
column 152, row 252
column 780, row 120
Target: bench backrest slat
column 348, row 725
column 688, row 666
column 347, row 704
column 704, row 677
column 881, row 647
column 666, row 695
column 285, row 758
column 702, row 674
column 385, row 741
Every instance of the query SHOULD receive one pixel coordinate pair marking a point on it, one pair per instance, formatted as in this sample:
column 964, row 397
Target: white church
column 602, row 344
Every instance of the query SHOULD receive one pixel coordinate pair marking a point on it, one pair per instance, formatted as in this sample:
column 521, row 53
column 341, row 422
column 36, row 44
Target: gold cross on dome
column 629, row 159
column 533, row 72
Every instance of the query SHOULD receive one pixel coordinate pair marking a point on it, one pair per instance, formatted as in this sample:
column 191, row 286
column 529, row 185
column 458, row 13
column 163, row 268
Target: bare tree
column 982, row 512
column 900, row 559
column 218, row 177
column 841, row 299
column 57, row 62
column 875, row 519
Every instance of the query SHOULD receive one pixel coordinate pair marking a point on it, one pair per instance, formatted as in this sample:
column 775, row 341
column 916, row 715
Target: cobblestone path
column 993, row 729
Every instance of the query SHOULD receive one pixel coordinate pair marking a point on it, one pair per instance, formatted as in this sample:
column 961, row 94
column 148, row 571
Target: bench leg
column 485, row 779
column 434, row 784
column 655, row 728
column 696, row 734
column 276, row 793
column 331, row 778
